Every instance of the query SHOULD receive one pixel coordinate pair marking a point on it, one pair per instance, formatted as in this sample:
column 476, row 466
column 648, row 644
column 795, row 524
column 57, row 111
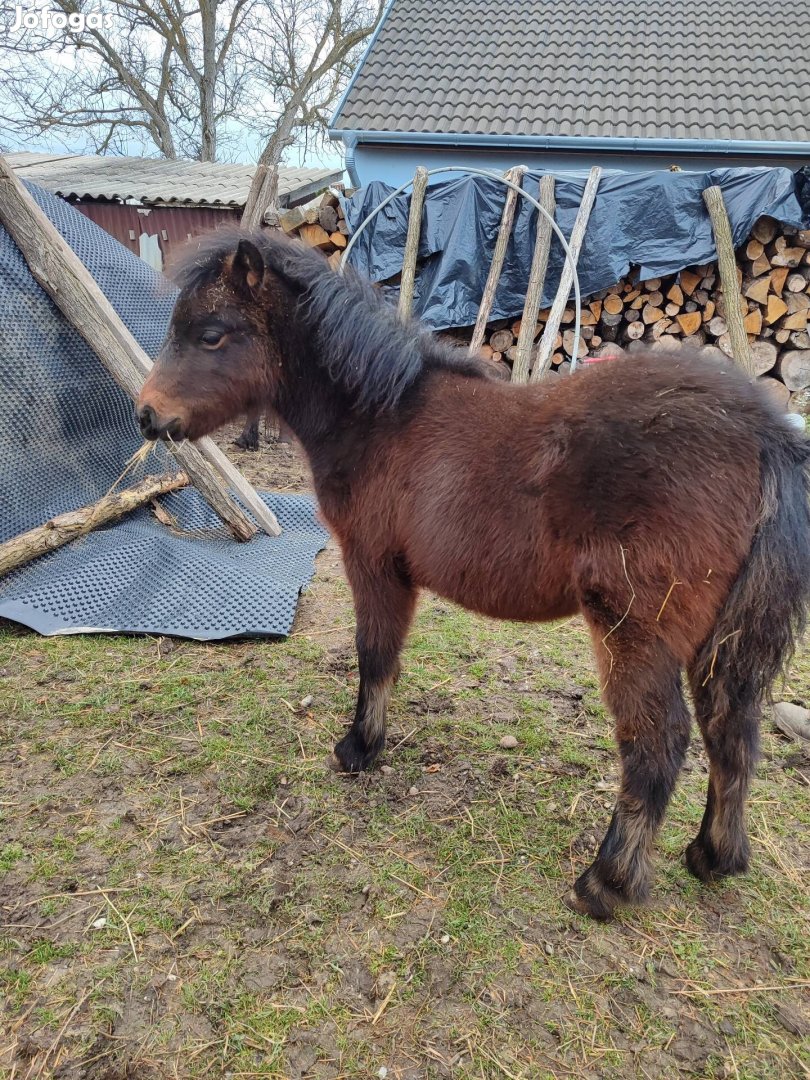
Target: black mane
column 362, row 343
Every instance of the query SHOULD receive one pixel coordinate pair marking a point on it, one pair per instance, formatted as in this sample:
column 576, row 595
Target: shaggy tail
column 765, row 612
column 750, row 646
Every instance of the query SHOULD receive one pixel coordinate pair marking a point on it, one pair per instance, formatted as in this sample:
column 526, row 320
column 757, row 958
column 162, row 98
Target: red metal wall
column 171, row 224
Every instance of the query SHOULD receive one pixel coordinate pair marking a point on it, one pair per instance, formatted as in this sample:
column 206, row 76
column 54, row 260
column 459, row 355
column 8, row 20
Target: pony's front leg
column 384, row 600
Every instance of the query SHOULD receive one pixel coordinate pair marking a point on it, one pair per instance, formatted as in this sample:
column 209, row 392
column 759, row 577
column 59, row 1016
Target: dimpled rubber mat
column 66, row 433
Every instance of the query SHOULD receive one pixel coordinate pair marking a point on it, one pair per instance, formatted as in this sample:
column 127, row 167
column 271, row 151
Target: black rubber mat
column 66, row 433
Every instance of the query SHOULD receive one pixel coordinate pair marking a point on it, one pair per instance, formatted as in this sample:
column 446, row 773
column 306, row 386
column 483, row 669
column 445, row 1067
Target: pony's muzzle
column 155, row 427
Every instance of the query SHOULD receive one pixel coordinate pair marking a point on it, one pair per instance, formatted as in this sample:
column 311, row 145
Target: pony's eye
column 211, row 338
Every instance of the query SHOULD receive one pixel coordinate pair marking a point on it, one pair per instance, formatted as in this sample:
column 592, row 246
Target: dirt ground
column 187, row 891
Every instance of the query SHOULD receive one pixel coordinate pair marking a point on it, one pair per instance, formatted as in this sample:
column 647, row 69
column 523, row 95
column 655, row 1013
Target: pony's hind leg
column 384, row 601
column 641, row 685
column 729, row 723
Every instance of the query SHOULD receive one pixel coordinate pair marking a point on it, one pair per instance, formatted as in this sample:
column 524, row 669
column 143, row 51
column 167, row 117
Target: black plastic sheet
column 654, row 221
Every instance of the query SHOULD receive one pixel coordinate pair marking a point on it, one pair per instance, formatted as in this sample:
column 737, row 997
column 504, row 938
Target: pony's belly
column 492, row 595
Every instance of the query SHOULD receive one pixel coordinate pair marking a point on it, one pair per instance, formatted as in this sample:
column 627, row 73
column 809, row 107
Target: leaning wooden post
column 498, row 255
column 263, row 196
column 62, row 529
column 71, row 286
column 420, row 182
column 724, row 242
column 546, row 347
column 537, row 279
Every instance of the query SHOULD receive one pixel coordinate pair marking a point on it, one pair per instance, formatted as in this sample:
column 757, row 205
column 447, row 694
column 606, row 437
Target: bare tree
column 188, row 78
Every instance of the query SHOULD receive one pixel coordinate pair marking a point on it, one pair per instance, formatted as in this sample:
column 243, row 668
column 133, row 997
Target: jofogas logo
column 46, row 19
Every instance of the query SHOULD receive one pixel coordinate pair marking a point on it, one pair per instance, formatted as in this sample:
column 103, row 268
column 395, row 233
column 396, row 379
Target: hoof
column 590, row 907
column 703, row 862
column 246, row 444
column 351, row 756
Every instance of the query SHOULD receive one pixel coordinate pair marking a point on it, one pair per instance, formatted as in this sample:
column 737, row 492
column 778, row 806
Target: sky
column 240, row 144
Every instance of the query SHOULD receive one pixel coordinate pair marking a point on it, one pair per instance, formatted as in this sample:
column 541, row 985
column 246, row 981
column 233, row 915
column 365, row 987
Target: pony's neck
column 321, row 413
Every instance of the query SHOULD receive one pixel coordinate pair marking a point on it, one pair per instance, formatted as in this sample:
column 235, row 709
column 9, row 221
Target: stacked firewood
column 321, row 224
column 688, row 309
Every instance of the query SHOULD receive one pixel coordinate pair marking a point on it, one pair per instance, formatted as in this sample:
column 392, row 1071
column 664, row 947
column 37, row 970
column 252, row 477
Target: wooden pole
column 420, row 182
column 727, row 263
column 537, row 279
column 72, row 288
column 498, row 255
column 62, row 529
column 546, row 347
column 263, row 196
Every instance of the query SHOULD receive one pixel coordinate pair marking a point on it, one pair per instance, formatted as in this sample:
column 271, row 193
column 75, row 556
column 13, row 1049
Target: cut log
column 776, row 390
column 651, row 314
column 72, row 288
column 762, row 265
column 791, row 257
column 328, row 219
column 796, row 283
column 708, row 310
column 675, row 294
column 614, row 305
column 66, row 527
column 636, row 330
column 778, row 278
column 501, row 340
column 800, row 339
column 338, row 240
column 568, row 345
column 754, row 249
column 765, row 230
column 661, row 327
column 776, row 309
column 752, row 321
column 759, row 290
column 690, row 322
column 335, row 260
column 763, row 354
column 689, row 281
column 314, row 236
column 796, row 321
column 794, row 368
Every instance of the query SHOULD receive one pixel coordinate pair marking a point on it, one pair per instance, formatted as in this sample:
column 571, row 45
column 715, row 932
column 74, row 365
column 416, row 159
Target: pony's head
column 263, row 321
column 218, row 360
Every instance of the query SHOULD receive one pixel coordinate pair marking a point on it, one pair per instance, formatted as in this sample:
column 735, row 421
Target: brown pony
column 661, row 496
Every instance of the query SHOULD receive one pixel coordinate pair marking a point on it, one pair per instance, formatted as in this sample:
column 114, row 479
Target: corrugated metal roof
column 158, row 181
column 678, row 69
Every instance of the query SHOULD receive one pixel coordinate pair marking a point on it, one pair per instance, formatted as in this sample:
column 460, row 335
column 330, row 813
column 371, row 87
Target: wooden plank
column 537, row 279
column 406, row 285
column 72, row 288
column 546, row 347
column 713, row 197
column 498, row 255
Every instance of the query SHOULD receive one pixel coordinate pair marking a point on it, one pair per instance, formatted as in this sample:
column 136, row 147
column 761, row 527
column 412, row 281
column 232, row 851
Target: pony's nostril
column 147, row 420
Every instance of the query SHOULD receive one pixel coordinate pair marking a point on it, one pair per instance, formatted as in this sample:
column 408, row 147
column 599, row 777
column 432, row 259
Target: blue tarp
column 654, row 221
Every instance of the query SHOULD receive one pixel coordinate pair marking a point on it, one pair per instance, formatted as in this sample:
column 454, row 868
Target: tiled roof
column 674, row 69
column 156, row 180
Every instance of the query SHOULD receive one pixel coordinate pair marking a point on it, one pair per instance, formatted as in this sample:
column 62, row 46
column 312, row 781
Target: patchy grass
column 187, row 891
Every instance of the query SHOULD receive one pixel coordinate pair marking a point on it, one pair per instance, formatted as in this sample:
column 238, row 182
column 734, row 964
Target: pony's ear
column 246, row 269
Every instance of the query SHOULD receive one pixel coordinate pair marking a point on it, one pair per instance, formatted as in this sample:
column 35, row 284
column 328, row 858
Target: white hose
column 515, row 187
